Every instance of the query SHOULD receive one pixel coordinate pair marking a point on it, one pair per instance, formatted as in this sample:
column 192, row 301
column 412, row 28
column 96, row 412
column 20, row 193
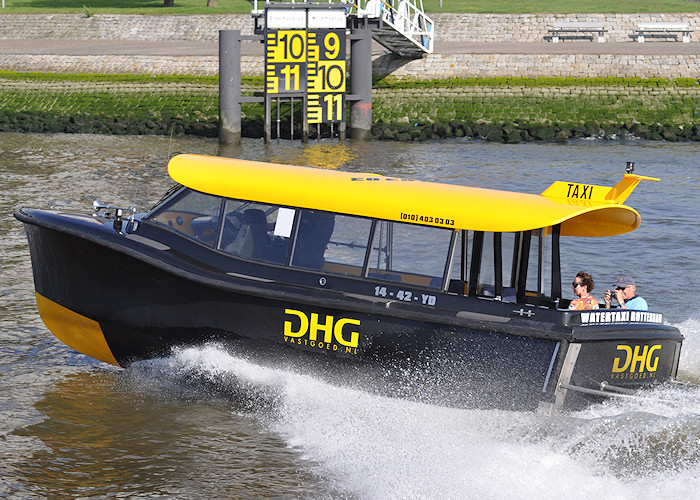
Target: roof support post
column 522, row 267
column 475, row 269
column 498, row 264
column 556, row 264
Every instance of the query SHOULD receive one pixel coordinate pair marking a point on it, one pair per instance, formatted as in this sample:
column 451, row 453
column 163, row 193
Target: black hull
column 146, row 298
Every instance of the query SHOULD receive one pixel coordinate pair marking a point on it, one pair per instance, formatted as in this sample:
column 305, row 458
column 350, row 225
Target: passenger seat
column 252, row 236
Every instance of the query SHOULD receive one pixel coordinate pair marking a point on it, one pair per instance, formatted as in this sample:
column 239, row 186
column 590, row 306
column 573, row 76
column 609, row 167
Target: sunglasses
column 621, row 287
column 575, row 284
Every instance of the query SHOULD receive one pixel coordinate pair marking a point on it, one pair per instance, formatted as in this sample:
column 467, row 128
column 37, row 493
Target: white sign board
column 284, row 223
column 278, row 19
column 327, row 18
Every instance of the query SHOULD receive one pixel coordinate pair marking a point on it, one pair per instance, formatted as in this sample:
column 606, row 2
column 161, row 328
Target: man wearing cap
column 625, row 292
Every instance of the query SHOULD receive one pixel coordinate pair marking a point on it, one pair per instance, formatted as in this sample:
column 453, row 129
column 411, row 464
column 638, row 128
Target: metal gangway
column 399, row 25
column 404, row 28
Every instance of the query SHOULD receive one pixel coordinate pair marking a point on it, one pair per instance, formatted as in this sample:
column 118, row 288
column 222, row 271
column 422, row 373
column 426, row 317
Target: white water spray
column 377, row 447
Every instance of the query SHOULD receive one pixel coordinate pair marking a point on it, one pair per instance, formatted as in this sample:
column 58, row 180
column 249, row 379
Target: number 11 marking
column 330, row 100
column 291, row 73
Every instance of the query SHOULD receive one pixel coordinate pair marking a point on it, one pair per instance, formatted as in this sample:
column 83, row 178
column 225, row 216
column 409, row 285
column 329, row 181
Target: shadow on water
column 136, row 432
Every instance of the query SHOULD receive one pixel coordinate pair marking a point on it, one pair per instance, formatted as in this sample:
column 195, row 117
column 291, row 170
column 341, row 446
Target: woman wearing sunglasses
column 583, row 285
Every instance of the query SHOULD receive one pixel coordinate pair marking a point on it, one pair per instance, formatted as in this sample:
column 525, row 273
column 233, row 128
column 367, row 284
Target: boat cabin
column 423, row 244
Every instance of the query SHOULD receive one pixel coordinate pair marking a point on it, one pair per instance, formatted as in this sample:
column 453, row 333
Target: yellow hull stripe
column 75, row 330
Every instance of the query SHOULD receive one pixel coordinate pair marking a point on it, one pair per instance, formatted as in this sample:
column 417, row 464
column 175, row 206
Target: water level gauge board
column 326, row 76
column 285, row 61
column 305, row 56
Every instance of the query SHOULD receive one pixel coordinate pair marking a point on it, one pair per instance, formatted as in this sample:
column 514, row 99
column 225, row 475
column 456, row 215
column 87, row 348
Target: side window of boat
column 410, row 254
column 192, row 213
column 496, row 266
column 460, row 263
column 256, row 231
column 539, row 268
column 332, row 242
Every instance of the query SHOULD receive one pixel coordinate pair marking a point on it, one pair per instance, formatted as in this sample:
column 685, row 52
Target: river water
column 207, row 423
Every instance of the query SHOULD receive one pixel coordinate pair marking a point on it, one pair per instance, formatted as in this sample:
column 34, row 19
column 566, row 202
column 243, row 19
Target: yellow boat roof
column 581, row 209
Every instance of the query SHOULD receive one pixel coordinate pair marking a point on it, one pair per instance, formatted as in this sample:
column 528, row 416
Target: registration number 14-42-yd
column 406, row 295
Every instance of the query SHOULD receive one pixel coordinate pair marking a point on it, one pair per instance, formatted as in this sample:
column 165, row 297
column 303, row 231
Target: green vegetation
column 524, row 109
column 497, row 109
column 155, row 7
column 410, row 83
column 560, row 6
column 150, row 7
column 126, row 78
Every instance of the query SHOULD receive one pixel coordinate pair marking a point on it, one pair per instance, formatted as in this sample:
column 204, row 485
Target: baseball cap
column 625, row 280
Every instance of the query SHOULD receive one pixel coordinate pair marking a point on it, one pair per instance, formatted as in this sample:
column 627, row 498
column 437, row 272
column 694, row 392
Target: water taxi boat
column 451, row 292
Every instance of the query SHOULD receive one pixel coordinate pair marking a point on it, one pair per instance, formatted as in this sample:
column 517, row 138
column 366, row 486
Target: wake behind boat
column 455, row 286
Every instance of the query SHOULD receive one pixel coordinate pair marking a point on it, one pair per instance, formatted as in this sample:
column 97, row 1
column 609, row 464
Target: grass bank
column 560, row 6
column 155, row 7
column 498, row 109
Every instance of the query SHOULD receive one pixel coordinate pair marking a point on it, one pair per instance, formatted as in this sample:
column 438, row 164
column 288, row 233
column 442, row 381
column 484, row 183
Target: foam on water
column 689, row 366
column 377, row 447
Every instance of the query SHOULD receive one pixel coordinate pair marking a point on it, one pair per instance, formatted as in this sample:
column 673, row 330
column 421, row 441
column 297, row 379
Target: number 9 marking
column 332, row 45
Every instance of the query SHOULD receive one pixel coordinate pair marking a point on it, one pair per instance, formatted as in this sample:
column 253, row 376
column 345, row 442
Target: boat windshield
column 195, row 214
column 312, row 239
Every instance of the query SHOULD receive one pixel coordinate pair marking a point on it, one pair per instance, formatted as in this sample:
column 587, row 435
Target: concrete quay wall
column 473, row 28
column 477, row 28
column 432, row 67
column 541, row 65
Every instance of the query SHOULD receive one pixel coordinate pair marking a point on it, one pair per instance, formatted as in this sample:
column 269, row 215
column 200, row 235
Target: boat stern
column 616, row 352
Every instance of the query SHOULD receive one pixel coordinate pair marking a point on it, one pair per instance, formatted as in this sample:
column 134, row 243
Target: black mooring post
column 229, row 86
column 361, row 82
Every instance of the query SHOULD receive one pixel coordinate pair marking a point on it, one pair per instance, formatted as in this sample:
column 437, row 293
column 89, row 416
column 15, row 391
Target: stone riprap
column 538, row 104
column 472, row 28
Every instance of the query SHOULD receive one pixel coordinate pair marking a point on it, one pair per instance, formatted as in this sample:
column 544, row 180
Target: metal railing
column 404, row 16
column 262, row 3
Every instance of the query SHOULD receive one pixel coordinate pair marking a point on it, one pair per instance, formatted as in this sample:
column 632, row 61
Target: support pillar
column 229, row 87
column 361, row 82
column 267, row 121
